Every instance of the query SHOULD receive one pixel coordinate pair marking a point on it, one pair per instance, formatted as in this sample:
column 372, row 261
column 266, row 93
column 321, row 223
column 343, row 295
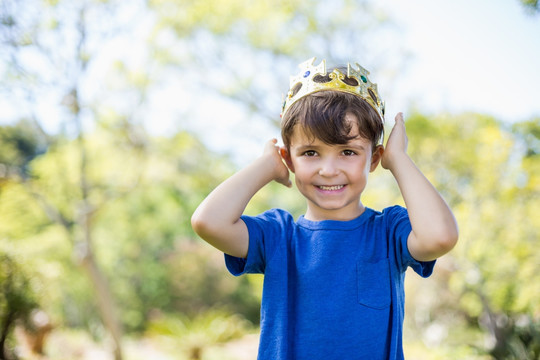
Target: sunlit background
column 118, row 117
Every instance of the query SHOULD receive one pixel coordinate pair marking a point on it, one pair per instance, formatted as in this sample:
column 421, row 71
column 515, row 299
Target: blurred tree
column 143, row 239
column 489, row 174
column 245, row 50
column 146, row 235
column 47, row 50
column 19, row 144
column 17, row 300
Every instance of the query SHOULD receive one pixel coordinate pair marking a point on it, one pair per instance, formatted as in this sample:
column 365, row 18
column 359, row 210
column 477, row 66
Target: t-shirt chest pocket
column 373, row 279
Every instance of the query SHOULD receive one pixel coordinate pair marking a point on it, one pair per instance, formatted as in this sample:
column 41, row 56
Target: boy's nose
column 328, row 169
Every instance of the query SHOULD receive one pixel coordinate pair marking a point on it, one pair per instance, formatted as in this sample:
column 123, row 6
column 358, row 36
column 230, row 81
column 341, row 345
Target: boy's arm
column 434, row 228
column 217, row 219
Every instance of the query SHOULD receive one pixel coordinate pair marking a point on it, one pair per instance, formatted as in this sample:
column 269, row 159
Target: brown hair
column 322, row 116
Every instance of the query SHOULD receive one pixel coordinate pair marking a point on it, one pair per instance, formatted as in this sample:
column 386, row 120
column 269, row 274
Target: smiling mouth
column 331, row 188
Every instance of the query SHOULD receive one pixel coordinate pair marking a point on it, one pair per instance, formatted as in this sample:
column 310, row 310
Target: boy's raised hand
column 396, row 145
column 273, row 151
column 218, row 218
column 434, row 228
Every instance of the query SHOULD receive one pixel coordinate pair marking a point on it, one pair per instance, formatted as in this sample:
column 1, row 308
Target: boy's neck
column 343, row 214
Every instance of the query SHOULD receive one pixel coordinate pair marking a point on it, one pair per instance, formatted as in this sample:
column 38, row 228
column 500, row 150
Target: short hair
column 322, row 116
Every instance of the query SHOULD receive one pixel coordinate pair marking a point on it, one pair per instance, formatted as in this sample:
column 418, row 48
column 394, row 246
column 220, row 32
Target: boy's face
column 332, row 177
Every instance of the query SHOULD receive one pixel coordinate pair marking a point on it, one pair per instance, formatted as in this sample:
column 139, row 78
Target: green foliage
column 19, row 144
column 142, row 233
column 489, row 175
column 192, row 336
column 17, row 300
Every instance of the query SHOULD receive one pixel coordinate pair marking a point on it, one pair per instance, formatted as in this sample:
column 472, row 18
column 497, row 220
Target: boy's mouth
column 331, row 188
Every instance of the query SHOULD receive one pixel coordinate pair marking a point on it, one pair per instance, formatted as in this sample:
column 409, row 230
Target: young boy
column 333, row 286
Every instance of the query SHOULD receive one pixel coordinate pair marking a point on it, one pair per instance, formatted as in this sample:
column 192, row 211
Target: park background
column 118, row 117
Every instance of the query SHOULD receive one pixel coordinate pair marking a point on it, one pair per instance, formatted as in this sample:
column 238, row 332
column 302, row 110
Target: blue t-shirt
column 332, row 289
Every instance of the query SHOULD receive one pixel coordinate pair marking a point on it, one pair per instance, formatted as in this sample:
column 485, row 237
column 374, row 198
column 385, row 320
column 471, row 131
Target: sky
column 481, row 55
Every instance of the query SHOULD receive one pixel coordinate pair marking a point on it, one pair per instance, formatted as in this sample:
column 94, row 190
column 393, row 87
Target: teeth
column 335, row 187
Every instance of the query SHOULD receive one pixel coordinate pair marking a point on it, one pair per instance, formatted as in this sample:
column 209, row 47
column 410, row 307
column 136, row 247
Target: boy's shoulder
column 392, row 210
column 275, row 218
column 393, row 213
column 276, row 214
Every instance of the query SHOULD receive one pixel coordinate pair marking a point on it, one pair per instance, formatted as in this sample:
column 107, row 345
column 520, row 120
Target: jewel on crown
column 313, row 78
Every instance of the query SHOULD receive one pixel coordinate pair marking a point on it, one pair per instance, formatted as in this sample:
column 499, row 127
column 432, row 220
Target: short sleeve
column 265, row 232
column 399, row 228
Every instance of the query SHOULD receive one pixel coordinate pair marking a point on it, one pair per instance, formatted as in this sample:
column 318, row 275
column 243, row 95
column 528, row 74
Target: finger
column 270, row 145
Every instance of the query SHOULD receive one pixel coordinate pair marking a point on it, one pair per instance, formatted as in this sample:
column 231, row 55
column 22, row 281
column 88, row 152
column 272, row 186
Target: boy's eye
column 310, row 153
column 348, row 152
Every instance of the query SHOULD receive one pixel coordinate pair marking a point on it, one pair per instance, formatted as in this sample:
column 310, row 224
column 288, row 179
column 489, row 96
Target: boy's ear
column 286, row 156
column 376, row 157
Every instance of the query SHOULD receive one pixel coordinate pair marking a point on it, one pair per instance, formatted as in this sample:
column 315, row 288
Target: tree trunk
column 105, row 302
column 85, row 256
column 9, row 318
column 101, row 287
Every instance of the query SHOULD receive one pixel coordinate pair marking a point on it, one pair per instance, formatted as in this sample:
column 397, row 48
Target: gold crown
column 311, row 79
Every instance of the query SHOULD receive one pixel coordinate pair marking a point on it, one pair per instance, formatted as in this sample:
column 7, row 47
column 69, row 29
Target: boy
column 333, row 286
